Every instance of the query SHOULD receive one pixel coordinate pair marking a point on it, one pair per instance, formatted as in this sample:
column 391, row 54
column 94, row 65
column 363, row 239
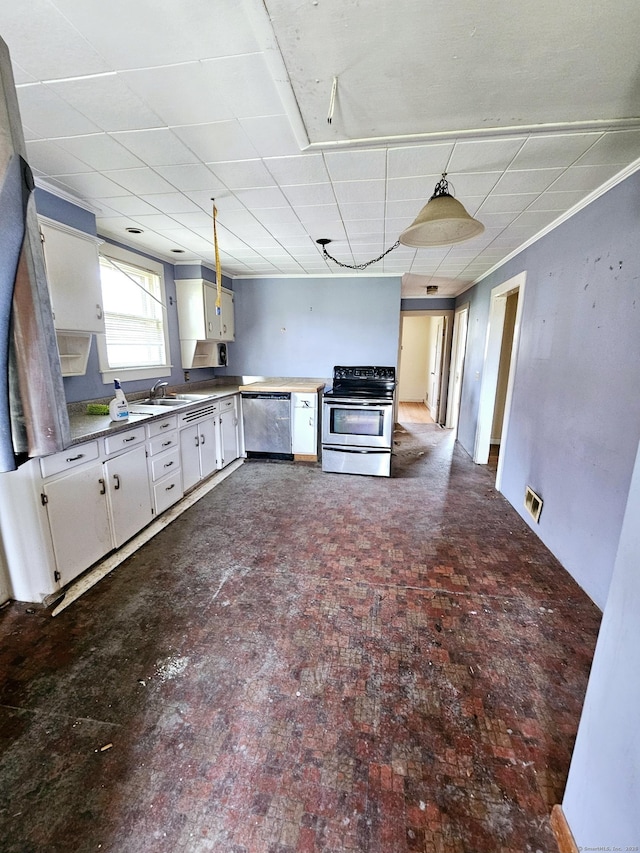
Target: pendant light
column 441, row 222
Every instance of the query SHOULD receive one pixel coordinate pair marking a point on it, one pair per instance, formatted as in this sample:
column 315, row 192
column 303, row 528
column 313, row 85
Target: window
column 135, row 344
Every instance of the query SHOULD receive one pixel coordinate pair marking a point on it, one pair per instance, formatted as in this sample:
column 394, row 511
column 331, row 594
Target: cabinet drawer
column 167, row 492
column 167, row 463
column 70, row 458
column 163, row 442
column 162, row 425
column 124, row 440
column 226, row 403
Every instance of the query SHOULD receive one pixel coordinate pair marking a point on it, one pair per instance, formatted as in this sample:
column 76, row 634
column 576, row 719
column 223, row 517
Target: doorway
column 423, row 360
column 501, row 353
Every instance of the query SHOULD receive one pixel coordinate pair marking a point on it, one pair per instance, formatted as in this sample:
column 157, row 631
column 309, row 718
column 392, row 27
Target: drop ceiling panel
column 157, row 107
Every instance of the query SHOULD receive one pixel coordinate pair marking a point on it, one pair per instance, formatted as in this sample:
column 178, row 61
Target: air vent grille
column 532, row 504
column 197, row 414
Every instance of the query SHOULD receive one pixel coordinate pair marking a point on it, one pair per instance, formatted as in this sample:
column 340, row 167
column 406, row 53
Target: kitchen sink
column 166, row 402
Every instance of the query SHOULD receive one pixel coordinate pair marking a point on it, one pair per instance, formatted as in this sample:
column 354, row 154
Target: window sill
column 130, row 374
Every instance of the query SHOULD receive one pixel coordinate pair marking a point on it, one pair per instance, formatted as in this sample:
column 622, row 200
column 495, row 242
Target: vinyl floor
column 305, row 663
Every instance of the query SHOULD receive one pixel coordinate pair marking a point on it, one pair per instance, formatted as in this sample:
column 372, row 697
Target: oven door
column 357, row 423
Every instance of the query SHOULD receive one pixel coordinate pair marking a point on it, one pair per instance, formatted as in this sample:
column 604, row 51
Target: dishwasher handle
column 266, row 395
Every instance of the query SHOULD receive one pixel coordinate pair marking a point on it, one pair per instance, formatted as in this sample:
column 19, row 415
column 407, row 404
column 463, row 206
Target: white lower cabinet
column 96, row 507
column 227, row 438
column 198, row 451
column 304, row 427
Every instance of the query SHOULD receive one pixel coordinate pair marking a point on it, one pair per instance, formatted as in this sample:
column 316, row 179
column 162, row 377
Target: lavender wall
column 305, row 326
column 603, row 788
column 575, row 416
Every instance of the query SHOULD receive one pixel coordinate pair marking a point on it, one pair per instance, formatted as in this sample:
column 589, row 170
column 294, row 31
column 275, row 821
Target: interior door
column 436, row 373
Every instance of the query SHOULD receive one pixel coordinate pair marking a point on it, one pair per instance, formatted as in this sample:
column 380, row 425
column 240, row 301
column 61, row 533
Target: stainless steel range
column 357, row 421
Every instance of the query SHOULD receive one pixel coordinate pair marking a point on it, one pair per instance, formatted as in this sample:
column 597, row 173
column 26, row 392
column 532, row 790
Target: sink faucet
column 158, row 389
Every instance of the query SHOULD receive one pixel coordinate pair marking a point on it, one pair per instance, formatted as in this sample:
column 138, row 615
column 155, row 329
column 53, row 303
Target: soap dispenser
column 118, row 407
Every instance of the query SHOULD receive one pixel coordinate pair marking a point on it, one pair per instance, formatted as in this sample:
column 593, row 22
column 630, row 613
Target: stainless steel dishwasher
column 267, row 423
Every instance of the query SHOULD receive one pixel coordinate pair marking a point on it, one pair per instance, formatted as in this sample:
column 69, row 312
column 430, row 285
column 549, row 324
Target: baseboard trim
column 564, row 837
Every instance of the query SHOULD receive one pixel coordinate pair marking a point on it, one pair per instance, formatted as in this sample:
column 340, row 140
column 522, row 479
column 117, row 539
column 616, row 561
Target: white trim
column 490, row 367
column 68, row 229
column 65, row 195
column 456, row 343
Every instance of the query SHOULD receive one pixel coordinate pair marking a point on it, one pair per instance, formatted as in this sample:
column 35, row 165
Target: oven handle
column 357, row 404
column 354, row 450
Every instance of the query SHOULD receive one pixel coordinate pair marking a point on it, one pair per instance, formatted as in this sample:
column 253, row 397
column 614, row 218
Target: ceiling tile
column 63, row 52
column 556, row 201
column 506, row 203
column 242, row 174
column 171, row 202
column 108, row 102
column 191, row 176
column 156, row 146
column 271, row 135
column 529, row 181
column 187, row 93
column 309, row 195
column 52, row 158
column 360, row 165
column 92, row 185
column 248, row 81
column 156, row 222
column 418, row 189
column 301, row 169
column 483, row 155
column 138, row 36
column 583, row 178
column 100, row 151
column 618, row 147
column 49, row 115
column 553, row 150
column 355, row 192
column 130, row 205
column 421, row 160
column 217, row 141
column 139, row 181
column 362, row 210
column 262, row 197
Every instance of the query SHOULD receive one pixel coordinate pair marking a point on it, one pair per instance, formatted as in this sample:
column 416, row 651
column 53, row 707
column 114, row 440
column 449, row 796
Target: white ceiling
column 147, row 110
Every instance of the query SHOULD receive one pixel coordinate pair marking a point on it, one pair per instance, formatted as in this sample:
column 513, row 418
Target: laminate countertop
column 285, row 385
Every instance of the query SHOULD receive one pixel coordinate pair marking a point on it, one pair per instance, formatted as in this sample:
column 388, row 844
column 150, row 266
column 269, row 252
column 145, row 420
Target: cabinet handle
column 168, row 464
column 224, row 328
column 117, row 479
column 310, row 421
column 201, row 439
column 131, row 438
column 164, row 426
column 166, row 444
column 103, row 489
column 197, row 441
column 168, row 488
column 99, row 311
column 75, row 458
column 210, row 327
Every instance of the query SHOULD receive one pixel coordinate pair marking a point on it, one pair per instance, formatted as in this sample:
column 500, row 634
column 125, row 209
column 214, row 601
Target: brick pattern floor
column 305, row 663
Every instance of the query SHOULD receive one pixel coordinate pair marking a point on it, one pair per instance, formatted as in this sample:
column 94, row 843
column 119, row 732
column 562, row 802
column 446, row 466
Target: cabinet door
column 207, row 433
column 212, row 319
column 190, row 456
column 304, row 431
column 228, row 438
column 73, row 274
column 227, row 322
column 78, row 519
column 129, row 495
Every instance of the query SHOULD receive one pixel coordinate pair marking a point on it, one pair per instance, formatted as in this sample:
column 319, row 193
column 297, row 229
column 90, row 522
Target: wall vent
column 532, row 504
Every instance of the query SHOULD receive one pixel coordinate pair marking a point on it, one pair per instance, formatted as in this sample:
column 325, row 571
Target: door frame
column 446, row 350
column 488, row 386
column 458, row 348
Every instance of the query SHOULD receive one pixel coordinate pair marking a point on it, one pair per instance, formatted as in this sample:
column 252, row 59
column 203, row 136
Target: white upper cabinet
column 73, row 273
column 197, row 318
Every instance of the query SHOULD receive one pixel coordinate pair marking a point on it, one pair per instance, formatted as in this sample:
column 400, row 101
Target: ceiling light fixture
column 443, row 221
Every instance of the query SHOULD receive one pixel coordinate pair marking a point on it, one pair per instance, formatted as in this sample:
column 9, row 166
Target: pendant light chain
column 360, row 266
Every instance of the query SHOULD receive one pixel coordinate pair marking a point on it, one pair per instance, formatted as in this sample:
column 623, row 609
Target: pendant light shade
column 442, row 221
